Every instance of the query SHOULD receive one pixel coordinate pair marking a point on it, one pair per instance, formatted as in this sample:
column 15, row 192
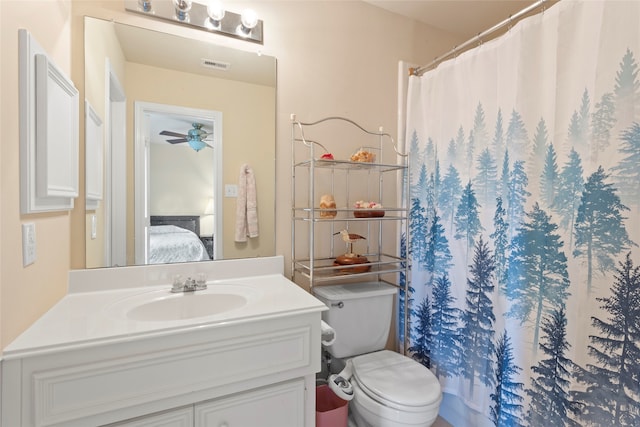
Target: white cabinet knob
column 223, row 424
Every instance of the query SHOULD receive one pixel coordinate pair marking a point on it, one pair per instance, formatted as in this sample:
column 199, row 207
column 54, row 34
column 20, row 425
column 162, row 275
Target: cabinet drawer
column 274, row 406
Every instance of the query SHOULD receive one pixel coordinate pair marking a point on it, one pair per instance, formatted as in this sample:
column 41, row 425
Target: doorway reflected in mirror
column 179, row 170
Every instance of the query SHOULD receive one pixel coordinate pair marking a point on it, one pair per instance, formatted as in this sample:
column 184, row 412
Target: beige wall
column 334, row 58
column 26, row 293
column 181, row 179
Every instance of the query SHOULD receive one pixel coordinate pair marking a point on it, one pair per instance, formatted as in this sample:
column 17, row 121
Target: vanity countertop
column 85, row 316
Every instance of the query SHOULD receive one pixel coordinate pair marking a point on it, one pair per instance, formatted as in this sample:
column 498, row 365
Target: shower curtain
column 524, row 288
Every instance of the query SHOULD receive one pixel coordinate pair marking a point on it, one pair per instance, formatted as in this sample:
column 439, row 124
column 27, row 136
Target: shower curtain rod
column 477, row 39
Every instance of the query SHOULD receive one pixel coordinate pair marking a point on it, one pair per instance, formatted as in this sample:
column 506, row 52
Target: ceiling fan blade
column 169, row 133
column 176, row 141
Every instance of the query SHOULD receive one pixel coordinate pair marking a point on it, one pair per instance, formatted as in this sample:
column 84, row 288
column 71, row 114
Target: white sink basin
column 164, row 306
column 186, row 306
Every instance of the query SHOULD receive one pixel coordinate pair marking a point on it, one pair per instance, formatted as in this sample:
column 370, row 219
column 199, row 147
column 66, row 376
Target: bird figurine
column 349, row 238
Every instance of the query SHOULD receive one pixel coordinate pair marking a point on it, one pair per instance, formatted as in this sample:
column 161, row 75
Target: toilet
column 387, row 388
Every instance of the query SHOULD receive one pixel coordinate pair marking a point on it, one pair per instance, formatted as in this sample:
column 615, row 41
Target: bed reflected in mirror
column 176, row 238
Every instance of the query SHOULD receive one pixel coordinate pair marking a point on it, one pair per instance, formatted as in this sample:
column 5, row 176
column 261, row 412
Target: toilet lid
column 396, row 380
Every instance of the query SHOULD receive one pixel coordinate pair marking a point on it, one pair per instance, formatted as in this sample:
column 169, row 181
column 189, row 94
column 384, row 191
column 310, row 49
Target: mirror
column 159, row 97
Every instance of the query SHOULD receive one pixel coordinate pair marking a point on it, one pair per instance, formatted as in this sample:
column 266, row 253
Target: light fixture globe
column 215, row 10
column 196, row 144
column 248, row 19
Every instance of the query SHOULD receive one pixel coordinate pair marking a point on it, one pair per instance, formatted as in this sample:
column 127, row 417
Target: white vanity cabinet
column 254, row 366
column 237, row 370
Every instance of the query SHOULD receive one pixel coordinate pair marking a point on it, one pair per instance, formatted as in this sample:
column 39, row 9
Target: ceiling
column 233, row 64
column 463, row 18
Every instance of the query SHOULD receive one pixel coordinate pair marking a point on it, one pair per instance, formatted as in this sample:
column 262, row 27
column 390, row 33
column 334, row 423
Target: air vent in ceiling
column 218, row 65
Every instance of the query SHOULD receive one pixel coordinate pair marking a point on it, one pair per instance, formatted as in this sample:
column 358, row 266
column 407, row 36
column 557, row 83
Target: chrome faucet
column 189, row 285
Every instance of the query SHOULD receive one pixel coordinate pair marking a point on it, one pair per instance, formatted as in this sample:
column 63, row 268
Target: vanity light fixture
column 211, row 17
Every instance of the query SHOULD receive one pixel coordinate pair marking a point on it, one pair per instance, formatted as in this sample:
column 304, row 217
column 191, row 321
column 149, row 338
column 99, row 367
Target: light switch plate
column 28, row 244
column 230, row 190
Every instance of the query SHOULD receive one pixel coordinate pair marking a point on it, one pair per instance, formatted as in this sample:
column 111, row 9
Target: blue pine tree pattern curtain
column 524, row 288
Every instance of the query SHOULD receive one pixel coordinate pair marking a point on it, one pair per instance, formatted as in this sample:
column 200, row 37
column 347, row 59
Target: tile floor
column 440, row 422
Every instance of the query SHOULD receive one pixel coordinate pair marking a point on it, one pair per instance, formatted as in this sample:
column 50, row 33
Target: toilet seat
column 376, row 413
column 396, row 381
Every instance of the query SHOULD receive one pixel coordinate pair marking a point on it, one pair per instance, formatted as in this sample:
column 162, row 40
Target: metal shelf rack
column 314, row 240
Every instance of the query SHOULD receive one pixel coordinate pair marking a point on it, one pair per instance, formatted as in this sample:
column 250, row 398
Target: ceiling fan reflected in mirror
column 195, row 137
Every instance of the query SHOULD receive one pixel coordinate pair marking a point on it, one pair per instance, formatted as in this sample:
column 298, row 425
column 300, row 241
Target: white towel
column 246, row 205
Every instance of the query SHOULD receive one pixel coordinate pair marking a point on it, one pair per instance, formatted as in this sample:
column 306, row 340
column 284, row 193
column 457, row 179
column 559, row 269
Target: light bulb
column 249, row 19
column 215, row 10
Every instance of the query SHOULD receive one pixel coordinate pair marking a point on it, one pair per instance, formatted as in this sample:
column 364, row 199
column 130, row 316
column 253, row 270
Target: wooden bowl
column 356, row 264
column 368, row 213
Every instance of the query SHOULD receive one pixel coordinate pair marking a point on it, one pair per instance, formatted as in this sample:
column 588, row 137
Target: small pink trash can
column 331, row 411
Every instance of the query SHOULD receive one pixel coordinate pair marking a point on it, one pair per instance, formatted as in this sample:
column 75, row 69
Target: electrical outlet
column 230, row 190
column 28, row 244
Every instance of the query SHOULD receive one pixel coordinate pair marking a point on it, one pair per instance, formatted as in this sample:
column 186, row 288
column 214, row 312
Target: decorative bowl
column 368, row 213
column 352, row 263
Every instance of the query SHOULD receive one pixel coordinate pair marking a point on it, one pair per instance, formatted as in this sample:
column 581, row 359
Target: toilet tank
column 360, row 313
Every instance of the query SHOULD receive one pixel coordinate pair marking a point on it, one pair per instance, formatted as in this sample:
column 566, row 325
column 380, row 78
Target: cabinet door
column 273, row 406
column 182, row 417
